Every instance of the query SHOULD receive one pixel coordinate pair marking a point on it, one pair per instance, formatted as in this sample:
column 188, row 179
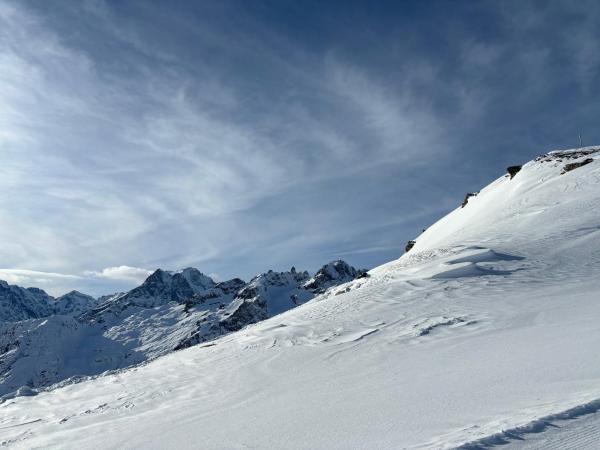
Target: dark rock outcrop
column 230, row 286
column 160, row 288
column 467, row 197
column 513, row 170
column 575, row 165
column 409, row 245
column 248, row 312
column 332, row 274
column 559, row 155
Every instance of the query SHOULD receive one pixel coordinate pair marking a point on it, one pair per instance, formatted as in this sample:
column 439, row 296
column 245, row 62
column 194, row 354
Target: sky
column 238, row 137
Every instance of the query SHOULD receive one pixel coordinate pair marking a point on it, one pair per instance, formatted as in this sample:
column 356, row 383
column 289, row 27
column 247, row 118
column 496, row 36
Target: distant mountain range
column 44, row 340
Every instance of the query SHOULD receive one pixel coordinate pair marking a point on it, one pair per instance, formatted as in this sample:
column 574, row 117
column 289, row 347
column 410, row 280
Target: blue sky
column 236, row 137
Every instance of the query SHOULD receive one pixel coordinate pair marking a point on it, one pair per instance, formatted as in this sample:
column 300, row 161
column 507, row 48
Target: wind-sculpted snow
column 486, row 329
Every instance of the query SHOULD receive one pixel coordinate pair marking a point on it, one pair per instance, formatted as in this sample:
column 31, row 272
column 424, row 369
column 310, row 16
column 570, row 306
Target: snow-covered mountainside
column 484, row 331
column 168, row 311
column 73, row 304
column 17, row 303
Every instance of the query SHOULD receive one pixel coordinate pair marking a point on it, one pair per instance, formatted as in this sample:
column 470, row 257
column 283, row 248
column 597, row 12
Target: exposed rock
column 160, row 288
column 559, row 155
column 220, row 290
column 104, row 298
column 230, row 286
column 575, row 165
column 513, row 170
column 248, row 312
column 467, row 197
column 332, row 274
column 410, row 244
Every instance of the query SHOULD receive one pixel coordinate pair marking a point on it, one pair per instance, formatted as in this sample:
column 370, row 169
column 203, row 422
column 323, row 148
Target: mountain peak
column 73, row 303
column 333, row 273
column 17, row 303
column 196, row 279
column 74, row 292
column 159, row 275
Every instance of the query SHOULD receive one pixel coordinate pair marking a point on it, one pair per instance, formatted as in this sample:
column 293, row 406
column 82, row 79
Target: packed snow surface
column 484, row 333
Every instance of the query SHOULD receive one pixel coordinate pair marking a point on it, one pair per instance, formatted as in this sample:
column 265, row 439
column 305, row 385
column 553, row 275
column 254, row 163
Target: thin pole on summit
column 580, row 144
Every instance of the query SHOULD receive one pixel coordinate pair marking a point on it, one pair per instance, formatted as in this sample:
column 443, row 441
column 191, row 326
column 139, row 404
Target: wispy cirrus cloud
column 97, row 165
column 142, row 135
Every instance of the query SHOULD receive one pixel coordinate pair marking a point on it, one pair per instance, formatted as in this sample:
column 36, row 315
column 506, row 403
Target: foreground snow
column 488, row 324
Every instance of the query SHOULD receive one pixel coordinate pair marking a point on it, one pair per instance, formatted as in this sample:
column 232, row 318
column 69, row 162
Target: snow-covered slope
column 489, row 323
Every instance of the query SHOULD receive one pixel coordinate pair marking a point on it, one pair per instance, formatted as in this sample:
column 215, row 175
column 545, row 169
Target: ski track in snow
column 577, row 428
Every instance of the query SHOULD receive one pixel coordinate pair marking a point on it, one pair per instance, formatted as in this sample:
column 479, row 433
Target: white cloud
column 123, row 273
column 26, row 277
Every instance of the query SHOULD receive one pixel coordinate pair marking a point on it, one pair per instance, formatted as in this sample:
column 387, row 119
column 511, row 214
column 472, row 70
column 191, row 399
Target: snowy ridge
column 487, row 326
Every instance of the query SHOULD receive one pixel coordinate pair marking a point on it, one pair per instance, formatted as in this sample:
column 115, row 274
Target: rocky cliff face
column 163, row 287
column 264, row 296
column 332, row 274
